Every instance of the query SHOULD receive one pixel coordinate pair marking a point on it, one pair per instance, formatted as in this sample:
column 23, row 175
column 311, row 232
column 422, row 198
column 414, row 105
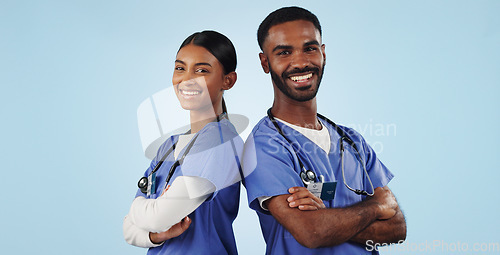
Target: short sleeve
column 378, row 172
column 269, row 168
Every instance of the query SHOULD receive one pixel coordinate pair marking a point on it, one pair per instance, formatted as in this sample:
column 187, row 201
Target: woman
column 205, row 182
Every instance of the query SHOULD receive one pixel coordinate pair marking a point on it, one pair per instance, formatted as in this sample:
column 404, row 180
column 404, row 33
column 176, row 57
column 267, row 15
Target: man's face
column 295, row 57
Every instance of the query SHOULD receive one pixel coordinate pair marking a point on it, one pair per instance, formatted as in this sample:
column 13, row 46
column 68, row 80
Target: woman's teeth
column 301, row 78
column 190, row 92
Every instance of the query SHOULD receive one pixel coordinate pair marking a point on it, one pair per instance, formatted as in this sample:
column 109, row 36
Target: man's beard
column 292, row 93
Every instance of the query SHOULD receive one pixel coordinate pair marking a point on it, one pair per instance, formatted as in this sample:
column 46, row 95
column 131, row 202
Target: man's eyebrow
column 197, row 64
column 282, row 47
column 314, row 42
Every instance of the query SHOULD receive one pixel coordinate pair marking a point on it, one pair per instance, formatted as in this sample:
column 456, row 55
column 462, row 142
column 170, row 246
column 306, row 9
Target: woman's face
column 198, row 79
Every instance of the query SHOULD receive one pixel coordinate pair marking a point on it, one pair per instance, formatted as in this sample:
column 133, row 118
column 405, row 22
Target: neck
column 302, row 114
column 201, row 118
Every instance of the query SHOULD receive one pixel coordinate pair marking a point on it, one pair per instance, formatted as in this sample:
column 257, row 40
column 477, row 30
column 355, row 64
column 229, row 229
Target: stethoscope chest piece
column 143, row 184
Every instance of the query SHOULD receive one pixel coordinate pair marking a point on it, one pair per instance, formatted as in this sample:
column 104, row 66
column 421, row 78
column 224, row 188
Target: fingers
column 306, row 204
column 304, row 200
column 185, row 223
column 177, row 229
column 302, row 192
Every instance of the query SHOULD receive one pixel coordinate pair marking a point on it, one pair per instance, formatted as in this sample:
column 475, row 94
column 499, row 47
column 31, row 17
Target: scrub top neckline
column 313, row 135
column 182, row 142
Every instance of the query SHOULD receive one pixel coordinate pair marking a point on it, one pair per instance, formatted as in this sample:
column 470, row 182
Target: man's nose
column 299, row 60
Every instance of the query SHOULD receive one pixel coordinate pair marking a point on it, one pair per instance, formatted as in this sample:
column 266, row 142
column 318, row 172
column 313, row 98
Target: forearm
column 136, row 236
column 182, row 198
column 158, row 215
column 392, row 230
column 329, row 227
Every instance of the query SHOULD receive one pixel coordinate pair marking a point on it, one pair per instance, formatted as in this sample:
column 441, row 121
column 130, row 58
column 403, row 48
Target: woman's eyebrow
column 203, row 64
column 197, row 64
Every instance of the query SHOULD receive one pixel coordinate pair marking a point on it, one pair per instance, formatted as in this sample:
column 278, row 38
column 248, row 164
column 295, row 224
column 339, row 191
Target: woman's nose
column 186, row 79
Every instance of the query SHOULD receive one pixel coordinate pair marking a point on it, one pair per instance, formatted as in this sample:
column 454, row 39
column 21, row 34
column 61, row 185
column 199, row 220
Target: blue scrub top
column 211, row 157
column 271, row 167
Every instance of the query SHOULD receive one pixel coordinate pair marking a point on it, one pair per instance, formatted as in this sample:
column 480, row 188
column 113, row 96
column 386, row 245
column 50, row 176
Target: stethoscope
column 144, row 182
column 308, row 176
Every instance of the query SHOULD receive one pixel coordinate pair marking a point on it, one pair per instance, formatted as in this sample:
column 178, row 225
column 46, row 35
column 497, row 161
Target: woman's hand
column 174, row 231
column 304, row 200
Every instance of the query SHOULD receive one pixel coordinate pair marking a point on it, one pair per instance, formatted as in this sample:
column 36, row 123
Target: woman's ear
column 229, row 80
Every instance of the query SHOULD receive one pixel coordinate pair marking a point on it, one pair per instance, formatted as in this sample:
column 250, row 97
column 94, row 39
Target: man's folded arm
column 392, row 230
column 331, row 226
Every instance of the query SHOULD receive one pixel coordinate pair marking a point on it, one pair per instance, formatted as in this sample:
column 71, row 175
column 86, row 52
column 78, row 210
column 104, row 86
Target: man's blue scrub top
column 271, row 168
column 211, row 157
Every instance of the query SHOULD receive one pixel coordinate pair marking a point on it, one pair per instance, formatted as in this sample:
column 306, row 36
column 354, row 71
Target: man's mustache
column 303, row 70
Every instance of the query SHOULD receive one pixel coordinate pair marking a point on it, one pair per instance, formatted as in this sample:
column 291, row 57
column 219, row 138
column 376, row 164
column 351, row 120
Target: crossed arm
column 152, row 221
column 378, row 218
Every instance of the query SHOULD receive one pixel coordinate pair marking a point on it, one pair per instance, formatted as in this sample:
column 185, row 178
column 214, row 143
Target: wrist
column 154, row 238
column 376, row 208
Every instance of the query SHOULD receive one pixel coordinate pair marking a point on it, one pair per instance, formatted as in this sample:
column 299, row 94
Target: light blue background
column 73, row 73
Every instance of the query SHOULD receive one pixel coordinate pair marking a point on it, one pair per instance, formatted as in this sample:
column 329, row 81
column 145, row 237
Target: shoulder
column 165, row 146
column 263, row 127
column 342, row 130
column 215, row 134
column 264, row 132
column 352, row 135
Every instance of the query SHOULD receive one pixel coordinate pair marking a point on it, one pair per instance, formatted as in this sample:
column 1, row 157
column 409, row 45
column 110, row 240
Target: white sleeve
column 183, row 197
column 262, row 199
column 135, row 235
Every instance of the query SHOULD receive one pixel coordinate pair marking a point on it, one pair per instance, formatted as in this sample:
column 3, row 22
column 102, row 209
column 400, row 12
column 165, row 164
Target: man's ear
column 264, row 62
column 229, row 80
column 323, row 50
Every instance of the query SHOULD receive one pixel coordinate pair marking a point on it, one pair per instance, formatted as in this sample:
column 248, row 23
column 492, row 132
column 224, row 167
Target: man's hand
column 387, row 204
column 390, row 230
column 175, row 231
column 304, row 200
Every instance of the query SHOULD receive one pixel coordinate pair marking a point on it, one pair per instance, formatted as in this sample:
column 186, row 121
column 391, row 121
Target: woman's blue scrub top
column 271, row 167
column 213, row 158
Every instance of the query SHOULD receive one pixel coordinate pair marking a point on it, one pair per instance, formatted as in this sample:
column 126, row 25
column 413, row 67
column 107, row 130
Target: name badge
column 151, row 184
column 323, row 190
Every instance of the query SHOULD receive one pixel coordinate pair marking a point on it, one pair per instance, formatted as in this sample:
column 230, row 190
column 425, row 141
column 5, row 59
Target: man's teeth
column 190, row 93
column 302, row 77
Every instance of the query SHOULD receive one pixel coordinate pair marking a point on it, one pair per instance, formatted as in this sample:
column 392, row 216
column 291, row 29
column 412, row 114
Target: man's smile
column 301, row 78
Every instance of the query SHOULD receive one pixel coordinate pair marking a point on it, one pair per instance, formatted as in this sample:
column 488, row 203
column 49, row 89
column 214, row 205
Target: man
column 295, row 147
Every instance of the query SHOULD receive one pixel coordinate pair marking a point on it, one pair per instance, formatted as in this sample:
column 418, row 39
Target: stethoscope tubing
column 186, row 151
column 343, row 137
